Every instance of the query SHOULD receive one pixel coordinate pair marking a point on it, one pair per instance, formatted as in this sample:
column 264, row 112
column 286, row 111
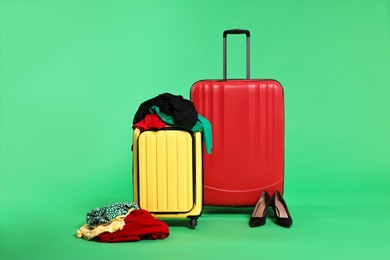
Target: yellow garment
column 114, row 225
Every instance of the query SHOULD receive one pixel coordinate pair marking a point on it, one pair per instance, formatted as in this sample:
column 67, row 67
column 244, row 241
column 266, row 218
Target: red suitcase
column 247, row 116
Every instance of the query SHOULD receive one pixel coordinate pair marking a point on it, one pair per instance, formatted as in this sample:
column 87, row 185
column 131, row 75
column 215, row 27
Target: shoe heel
column 282, row 215
column 259, row 214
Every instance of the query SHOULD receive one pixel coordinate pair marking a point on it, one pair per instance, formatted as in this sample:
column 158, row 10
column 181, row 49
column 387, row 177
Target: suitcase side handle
column 236, row 31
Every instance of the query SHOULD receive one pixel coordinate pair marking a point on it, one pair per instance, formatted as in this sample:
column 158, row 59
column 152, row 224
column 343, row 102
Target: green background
column 74, row 72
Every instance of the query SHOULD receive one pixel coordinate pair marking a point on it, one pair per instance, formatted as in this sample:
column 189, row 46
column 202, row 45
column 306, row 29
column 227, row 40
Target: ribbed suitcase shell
column 167, row 173
column 247, row 158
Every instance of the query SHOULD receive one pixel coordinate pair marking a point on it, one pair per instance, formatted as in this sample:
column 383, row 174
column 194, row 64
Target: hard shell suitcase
column 167, row 173
column 247, row 116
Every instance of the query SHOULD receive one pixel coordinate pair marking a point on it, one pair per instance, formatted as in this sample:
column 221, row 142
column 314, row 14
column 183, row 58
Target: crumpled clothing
column 114, row 225
column 140, row 224
column 150, row 122
column 182, row 110
column 105, row 214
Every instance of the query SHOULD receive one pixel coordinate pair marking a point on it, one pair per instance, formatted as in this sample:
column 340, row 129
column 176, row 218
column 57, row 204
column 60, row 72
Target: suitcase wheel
column 193, row 222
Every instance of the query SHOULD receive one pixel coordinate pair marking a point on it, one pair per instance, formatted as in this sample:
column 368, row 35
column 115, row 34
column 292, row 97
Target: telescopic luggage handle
column 236, row 31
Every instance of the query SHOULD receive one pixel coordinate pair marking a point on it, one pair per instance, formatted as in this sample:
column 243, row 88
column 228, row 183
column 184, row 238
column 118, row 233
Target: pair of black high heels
column 259, row 215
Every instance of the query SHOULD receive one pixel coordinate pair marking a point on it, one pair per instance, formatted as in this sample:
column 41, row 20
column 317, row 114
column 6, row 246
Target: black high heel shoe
column 259, row 214
column 282, row 215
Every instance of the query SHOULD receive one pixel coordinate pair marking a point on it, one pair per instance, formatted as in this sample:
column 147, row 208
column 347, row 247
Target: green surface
column 72, row 74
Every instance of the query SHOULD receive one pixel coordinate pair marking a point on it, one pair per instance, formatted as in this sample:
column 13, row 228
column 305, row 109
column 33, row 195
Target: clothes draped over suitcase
column 151, row 121
column 172, row 110
column 182, row 110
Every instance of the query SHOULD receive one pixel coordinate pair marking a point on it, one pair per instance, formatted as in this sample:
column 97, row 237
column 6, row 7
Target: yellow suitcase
column 167, row 173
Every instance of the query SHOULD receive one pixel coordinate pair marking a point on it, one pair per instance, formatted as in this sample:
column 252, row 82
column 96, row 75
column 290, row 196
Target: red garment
column 151, row 121
column 140, row 224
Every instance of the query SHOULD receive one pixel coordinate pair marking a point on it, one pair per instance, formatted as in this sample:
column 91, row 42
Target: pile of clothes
column 167, row 109
column 120, row 222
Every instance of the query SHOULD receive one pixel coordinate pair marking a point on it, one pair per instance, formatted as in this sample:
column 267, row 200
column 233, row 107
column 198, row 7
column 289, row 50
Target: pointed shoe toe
column 257, row 222
column 284, row 222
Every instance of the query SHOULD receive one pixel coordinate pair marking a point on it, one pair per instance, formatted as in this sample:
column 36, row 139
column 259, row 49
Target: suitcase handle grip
column 236, row 31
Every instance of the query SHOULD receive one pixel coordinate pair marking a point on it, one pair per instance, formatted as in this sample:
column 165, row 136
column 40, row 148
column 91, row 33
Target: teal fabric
column 167, row 119
column 202, row 125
